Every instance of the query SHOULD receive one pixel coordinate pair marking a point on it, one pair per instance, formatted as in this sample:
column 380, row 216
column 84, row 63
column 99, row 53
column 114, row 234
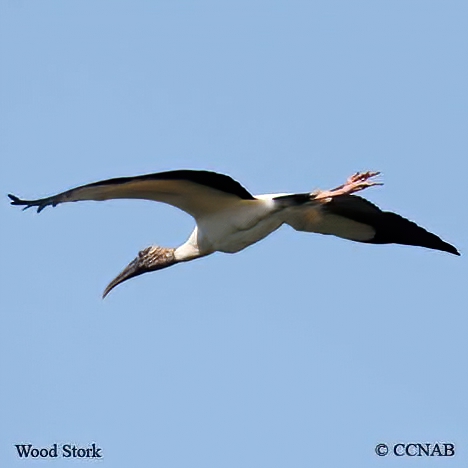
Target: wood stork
column 229, row 219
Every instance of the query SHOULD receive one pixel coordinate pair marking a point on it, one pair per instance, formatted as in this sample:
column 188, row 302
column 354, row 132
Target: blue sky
column 300, row 351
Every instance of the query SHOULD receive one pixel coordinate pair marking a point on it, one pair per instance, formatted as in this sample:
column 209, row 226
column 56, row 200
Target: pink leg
column 355, row 183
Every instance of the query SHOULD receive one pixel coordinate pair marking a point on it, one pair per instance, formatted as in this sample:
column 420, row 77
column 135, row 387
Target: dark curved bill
column 134, row 268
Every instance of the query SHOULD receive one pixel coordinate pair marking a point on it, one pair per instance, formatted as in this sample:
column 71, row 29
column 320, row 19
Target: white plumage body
column 233, row 229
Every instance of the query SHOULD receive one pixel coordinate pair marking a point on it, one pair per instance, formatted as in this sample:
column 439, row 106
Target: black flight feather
column 390, row 228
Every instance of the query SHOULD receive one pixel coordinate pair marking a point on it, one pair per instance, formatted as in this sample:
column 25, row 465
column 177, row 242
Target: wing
column 195, row 192
column 357, row 219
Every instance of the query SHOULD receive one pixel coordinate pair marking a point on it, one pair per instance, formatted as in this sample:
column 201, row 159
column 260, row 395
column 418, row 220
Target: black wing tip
column 451, row 249
column 15, row 200
column 18, row 202
column 41, row 204
column 393, row 228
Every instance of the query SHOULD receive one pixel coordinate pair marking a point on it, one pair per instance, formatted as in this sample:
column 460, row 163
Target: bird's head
column 150, row 259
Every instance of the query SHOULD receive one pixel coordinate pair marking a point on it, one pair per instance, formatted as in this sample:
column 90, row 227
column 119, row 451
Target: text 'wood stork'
column 229, row 219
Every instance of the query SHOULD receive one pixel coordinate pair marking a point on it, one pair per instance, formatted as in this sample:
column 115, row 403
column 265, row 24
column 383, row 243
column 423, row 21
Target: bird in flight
column 228, row 218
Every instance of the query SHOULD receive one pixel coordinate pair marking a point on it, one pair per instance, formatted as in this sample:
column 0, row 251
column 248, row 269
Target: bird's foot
column 353, row 184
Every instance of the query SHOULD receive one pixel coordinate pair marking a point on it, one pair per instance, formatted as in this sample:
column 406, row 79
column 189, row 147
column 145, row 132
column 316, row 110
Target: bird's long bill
column 133, row 269
column 150, row 259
